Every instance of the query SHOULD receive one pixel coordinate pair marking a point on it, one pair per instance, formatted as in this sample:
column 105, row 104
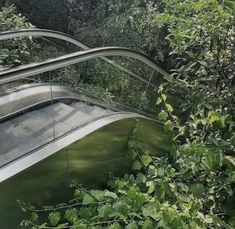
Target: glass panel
column 26, row 121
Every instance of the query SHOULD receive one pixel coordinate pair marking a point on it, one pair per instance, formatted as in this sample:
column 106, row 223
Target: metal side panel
column 31, row 94
column 87, row 160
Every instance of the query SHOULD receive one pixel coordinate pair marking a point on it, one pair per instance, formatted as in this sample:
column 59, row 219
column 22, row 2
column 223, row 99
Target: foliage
column 17, row 51
column 192, row 186
column 201, row 38
column 182, row 190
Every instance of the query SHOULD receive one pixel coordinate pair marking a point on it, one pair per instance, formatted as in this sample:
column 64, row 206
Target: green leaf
column 212, row 160
column 164, row 97
column 163, row 115
column 169, row 107
column 112, row 195
column 136, row 165
column 71, row 215
column 132, row 226
column 115, row 226
column 140, row 178
column 150, row 210
column 121, row 207
column 54, row 218
column 197, row 190
column 159, row 100
column 105, row 211
column 168, row 126
column 34, row 217
column 147, row 224
column 98, row 194
column 86, row 212
column 146, row 160
column 168, row 216
column 217, row 118
column 87, row 199
column 151, row 187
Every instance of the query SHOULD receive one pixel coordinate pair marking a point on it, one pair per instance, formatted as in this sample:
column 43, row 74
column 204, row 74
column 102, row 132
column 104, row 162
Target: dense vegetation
column 191, row 187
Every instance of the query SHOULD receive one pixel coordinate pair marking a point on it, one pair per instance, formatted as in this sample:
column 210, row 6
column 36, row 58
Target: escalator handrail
column 27, row 70
column 62, row 36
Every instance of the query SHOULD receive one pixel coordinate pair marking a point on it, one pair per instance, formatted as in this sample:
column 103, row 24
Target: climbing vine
column 188, row 188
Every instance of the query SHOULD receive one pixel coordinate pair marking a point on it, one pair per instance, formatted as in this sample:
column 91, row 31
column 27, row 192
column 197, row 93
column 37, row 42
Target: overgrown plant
column 180, row 190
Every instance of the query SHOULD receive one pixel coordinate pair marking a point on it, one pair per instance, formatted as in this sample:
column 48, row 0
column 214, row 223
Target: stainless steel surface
column 73, row 58
column 32, row 94
column 47, row 150
column 55, row 34
column 33, row 135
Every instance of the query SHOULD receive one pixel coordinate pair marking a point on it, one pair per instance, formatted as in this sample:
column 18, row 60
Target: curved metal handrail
column 27, row 70
column 62, row 36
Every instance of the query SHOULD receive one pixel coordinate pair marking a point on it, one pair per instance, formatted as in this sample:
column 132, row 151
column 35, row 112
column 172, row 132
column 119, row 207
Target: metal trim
column 27, row 70
column 62, row 36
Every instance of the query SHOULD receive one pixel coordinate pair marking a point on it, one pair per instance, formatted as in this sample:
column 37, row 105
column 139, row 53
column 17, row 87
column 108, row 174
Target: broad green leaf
column 198, row 190
column 112, row 195
column 150, row 210
column 146, row 160
column 132, row 226
column 168, row 216
column 163, row 115
column 105, row 211
column 71, row 215
column 98, row 194
column 87, row 199
column 121, row 207
column 147, row 224
column 54, row 218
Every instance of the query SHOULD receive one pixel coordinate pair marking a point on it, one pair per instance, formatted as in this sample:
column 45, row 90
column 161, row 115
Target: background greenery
column 192, row 186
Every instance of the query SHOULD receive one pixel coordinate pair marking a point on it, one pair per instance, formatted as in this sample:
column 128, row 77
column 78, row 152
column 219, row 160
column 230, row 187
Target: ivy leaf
column 54, row 218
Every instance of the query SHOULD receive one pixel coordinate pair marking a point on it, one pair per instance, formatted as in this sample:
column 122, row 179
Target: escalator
column 52, row 135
